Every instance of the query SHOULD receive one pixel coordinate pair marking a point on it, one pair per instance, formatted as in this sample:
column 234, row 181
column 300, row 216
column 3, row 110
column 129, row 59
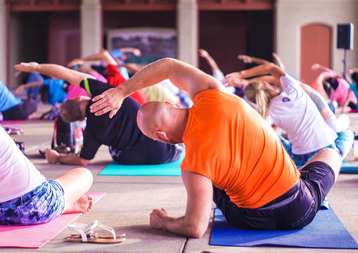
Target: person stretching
column 282, row 98
column 28, row 198
column 254, row 183
column 114, row 77
column 127, row 145
column 14, row 108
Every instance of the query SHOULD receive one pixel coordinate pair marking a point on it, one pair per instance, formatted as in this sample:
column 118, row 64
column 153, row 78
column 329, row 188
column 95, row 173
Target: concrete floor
column 129, row 200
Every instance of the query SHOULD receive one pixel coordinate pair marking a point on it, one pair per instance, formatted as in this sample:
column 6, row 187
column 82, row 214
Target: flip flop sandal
column 91, row 234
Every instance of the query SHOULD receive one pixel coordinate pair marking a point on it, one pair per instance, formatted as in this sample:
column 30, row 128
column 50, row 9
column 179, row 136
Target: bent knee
column 330, row 157
column 84, row 173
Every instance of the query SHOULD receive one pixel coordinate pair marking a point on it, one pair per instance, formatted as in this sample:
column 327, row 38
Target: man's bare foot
column 82, row 205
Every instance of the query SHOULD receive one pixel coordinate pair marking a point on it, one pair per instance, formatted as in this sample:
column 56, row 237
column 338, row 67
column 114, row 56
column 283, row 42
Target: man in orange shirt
column 231, row 155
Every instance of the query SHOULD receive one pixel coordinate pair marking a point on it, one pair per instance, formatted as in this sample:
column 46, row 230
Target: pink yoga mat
column 11, row 122
column 38, row 235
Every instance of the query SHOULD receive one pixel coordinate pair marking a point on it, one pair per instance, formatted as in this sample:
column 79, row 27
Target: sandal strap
column 96, row 225
column 80, row 229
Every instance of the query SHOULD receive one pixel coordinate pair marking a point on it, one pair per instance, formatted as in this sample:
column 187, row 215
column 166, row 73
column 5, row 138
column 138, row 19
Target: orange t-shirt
column 230, row 143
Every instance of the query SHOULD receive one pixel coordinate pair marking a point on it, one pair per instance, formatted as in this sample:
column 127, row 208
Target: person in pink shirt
column 334, row 87
column 74, row 91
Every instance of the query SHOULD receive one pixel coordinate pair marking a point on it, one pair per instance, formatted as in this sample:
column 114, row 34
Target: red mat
column 37, row 236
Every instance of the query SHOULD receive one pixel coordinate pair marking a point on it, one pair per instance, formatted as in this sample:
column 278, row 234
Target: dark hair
column 332, row 82
column 70, row 111
column 354, row 77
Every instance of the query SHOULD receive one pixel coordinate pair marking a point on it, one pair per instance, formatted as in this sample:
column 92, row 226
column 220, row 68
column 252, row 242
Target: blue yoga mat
column 349, row 168
column 325, row 231
column 164, row 169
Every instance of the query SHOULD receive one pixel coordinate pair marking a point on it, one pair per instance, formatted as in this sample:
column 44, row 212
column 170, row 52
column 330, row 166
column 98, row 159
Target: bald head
column 161, row 121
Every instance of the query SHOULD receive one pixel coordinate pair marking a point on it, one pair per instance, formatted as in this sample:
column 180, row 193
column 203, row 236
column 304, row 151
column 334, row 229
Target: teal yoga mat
column 349, row 168
column 164, row 169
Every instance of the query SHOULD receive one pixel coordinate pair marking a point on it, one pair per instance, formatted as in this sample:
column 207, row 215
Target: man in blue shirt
column 55, row 91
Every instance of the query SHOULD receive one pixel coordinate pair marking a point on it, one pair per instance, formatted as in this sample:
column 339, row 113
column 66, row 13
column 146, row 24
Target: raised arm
column 133, row 67
column 57, row 71
column 104, row 56
column 322, row 107
column 209, row 59
column 132, row 50
column 181, row 74
column 321, row 68
column 352, row 70
column 269, row 73
column 278, row 61
column 25, row 86
column 264, row 69
column 249, row 59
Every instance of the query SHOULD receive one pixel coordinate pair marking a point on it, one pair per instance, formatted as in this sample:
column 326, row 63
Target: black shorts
column 21, row 111
column 294, row 209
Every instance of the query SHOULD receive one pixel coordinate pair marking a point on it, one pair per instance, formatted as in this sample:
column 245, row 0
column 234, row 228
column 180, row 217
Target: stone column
column 91, row 27
column 187, row 31
column 3, row 41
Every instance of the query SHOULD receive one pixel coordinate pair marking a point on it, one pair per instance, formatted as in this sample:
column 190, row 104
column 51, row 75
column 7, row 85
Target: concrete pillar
column 3, row 40
column 91, row 27
column 187, row 27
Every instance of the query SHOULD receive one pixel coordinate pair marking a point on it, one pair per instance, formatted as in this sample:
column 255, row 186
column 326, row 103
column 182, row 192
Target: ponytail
column 258, row 94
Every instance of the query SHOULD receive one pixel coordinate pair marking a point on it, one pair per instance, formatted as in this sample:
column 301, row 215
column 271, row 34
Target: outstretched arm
column 269, row 73
column 352, row 70
column 57, row 71
column 196, row 219
column 278, row 61
column 104, row 56
column 321, row 68
column 133, row 67
column 181, row 74
column 209, row 59
column 53, row 156
column 249, row 59
column 132, row 50
column 322, row 107
column 25, row 86
column 264, row 69
column 260, row 61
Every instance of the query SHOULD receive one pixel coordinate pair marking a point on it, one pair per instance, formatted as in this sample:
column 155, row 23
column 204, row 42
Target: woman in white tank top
column 282, row 99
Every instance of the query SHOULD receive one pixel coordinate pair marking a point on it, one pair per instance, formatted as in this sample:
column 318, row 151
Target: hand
column 245, row 58
column 26, row 67
column 52, row 156
column 316, row 66
column 352, row 70
column 137, row 52
column 109, row 101
column 203, row 53
column 157, row 217
column 235, row 80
